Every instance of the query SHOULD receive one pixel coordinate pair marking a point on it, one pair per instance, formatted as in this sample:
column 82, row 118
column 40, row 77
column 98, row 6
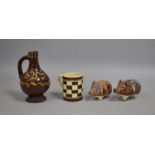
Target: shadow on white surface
column 57, row 95
column 88, row 97
column 114, row 98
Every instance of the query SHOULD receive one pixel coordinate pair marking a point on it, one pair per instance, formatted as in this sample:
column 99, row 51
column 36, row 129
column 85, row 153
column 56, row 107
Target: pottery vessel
column 34, row 82
column 72, row 85
column 127, row 89
column 100, row 89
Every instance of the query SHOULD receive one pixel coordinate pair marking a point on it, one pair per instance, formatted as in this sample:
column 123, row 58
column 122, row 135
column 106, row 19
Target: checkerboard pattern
column 72, row 89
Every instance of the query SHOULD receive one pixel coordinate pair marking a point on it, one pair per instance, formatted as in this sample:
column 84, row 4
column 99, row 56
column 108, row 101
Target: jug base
column 35, row 99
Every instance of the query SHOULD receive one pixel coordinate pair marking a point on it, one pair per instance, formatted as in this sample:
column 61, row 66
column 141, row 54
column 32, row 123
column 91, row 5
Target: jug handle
column 20, row 71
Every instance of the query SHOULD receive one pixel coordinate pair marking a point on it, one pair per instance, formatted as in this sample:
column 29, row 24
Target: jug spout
column 33, row 58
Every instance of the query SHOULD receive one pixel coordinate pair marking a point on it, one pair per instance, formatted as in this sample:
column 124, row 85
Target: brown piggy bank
column 127, row 88
column 100, row 89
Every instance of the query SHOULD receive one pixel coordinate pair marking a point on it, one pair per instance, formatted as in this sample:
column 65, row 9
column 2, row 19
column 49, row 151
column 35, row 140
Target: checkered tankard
column 72, row 84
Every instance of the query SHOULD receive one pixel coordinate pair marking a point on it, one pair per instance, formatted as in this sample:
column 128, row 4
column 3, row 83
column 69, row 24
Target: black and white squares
column 72, row 89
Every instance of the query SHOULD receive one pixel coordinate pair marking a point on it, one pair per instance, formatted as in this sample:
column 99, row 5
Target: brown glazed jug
column 34, row 82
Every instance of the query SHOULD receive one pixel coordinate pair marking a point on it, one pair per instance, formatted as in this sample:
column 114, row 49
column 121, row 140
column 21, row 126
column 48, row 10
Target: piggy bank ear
column 93, row 83
column 126, row 83
column 120, row 81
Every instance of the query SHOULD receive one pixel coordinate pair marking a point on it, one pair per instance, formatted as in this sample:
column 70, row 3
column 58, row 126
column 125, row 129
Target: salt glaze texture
column 100, row 89
column 127, row 89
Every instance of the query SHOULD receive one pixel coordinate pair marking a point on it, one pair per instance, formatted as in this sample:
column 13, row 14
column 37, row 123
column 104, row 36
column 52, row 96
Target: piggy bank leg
column 99, row 97
column 123, row 97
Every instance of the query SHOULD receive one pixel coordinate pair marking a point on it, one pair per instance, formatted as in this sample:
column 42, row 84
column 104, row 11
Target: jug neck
column 33, row 58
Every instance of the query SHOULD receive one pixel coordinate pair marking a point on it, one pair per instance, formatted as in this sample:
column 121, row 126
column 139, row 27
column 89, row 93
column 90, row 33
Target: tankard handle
column 19, row 65
column 60, row 79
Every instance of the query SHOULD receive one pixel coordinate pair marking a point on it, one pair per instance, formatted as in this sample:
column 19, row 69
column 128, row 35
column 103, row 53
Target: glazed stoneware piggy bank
column 127, row 88
column 100, row 89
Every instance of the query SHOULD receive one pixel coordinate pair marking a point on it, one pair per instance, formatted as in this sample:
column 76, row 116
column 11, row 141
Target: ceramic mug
column 72, row 85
